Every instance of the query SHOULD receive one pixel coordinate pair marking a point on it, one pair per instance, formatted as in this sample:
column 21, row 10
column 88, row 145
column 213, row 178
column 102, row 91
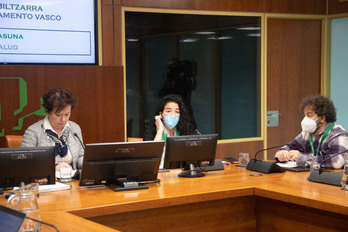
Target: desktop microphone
column 75, row 134
column 264, row 166
column 197, row 132
column 332, row 178
column 330, row 157
column 269, row 148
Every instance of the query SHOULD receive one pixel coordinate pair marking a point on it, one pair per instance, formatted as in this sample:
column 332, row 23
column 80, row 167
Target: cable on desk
column 43, row 223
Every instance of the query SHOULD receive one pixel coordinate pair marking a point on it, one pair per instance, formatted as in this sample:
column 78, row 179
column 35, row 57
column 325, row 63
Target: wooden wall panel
column 220, row 5
column 296, row 6
column 337, row 7
column 286, row 217
column 117, row 2
column 99, row 90
column 107, row 24
column 268, row 6
column 293, row 72
column 233, row 149
column 118, row 35
column 9, row 104
column 107, row 2
column 234, row 214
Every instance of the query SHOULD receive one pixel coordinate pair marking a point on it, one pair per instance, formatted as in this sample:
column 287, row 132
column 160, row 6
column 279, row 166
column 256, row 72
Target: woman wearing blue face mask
column 172, row 119
column 320, row 137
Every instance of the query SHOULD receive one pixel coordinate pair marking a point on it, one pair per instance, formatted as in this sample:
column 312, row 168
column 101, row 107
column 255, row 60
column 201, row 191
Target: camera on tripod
column 183, row 69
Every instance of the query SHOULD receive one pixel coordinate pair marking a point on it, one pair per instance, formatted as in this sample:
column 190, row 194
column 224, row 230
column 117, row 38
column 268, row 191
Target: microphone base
column 331, row 178
column 263, row 166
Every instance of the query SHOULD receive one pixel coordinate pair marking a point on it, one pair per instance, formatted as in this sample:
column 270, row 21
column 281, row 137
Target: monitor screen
column 11, row 220
column 190, row 150
column 122, row 165
column 48, row 32
column 28, row 165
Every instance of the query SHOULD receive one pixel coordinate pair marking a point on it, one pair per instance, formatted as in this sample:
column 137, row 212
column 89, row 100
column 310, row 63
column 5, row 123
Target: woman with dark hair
column 320, row 137
column 172, row 119
column 56, row 129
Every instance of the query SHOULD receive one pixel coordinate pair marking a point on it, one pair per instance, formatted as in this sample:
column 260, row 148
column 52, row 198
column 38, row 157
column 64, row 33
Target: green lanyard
column 164, row 136
column 322, row 138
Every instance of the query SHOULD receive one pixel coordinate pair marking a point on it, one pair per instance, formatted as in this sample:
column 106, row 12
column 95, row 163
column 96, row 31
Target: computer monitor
column 11, row 220
column 189, row 151
column 28, row 165
column 122, row 165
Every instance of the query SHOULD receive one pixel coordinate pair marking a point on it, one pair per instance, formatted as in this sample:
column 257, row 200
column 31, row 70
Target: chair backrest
column 134, row 139
column 13, row 140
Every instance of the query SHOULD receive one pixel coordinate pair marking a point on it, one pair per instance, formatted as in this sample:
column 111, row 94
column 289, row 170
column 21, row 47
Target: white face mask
column 309, row 125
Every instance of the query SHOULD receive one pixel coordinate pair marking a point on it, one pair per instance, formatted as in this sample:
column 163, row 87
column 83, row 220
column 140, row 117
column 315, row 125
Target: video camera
column 185, row 68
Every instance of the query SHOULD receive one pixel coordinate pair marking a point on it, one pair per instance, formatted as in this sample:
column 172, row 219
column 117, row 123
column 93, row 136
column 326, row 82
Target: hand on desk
column 285, row 155
column 62, row 165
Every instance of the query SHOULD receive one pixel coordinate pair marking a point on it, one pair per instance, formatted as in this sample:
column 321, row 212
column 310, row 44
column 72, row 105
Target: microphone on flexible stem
column 330, row 157
column 264, row 166
column 197, row 132
column 75, row 134
column 332, row 178
column 269, row 148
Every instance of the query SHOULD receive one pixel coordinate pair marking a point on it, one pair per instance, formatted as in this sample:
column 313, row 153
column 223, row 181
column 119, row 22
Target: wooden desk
column 226, row 200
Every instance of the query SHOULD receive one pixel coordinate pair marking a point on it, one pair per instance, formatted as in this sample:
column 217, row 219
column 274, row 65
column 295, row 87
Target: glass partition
column 221, row 56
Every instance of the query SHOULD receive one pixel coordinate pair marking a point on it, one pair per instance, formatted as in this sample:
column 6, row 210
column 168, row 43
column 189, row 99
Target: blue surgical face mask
column 171, row 121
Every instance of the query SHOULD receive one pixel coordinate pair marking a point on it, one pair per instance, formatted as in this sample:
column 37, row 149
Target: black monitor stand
column 191, row 173
column 124, row 184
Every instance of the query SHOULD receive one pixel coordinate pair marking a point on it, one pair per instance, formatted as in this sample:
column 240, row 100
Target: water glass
column 65, row 174
column 313, row 165
column 243, row 159
column 344, row 181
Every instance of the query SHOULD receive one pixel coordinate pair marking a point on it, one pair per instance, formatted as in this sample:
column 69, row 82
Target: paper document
column 53, row 187
column 289, row 164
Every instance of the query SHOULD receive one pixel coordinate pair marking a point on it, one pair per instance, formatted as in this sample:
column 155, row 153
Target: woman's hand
column 62, row 165
column 159, row 123
column 160, row 128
